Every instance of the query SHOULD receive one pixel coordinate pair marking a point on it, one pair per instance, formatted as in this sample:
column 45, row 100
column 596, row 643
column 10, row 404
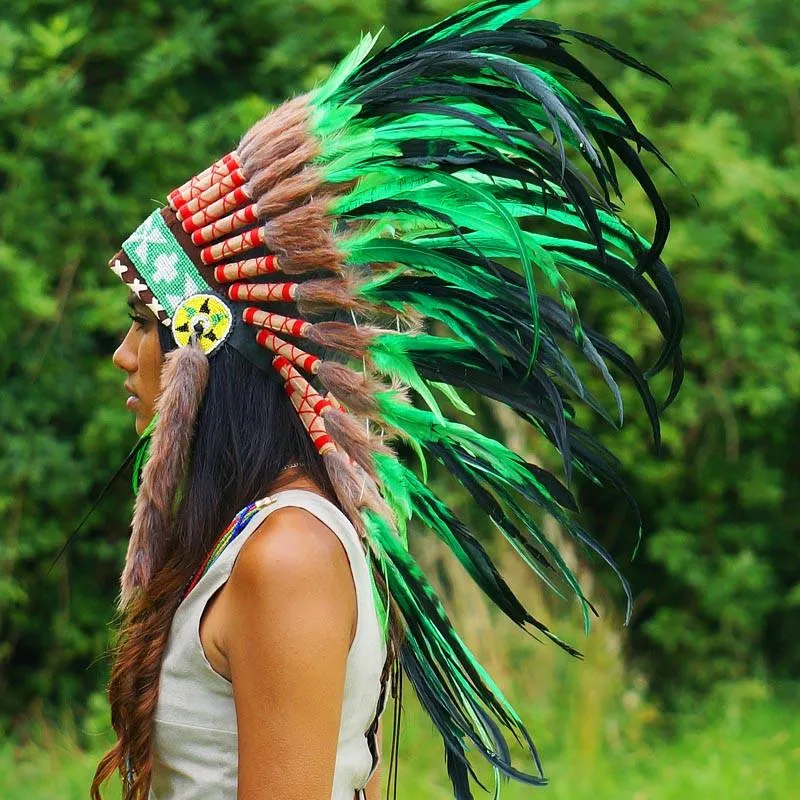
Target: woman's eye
column 140, row 321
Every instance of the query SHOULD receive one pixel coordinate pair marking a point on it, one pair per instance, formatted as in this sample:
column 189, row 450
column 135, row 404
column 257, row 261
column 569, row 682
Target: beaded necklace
column 236, row 526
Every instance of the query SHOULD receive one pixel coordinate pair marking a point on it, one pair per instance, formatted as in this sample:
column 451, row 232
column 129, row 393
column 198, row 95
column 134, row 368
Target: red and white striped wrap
column 199, row 183
column 308, row 402
column 276, row 322
column 263, row 292
column 227, row 225
column 305, row 361
column 249, row 268
column 218, row 209
column 222, row 187
column 230, row 247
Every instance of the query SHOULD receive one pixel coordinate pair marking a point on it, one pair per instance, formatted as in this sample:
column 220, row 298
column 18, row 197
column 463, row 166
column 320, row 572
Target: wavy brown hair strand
column 133, row 688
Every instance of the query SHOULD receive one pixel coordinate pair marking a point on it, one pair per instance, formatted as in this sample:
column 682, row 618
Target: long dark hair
column 247, row 432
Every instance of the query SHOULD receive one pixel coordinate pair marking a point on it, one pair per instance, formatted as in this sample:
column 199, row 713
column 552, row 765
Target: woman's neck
column 295, row 478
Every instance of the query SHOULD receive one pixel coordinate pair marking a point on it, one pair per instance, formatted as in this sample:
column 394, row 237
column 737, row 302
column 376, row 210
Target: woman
column 367, row 254
column 291, row 580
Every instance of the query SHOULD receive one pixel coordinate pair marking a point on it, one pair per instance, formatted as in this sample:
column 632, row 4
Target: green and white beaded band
column 163, row 264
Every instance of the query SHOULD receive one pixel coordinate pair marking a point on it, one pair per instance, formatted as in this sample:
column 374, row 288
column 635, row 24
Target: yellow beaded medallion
column 203, row 314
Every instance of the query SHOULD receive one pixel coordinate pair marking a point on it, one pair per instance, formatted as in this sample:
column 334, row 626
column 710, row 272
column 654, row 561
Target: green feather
column 142, row 452
column 345, row 69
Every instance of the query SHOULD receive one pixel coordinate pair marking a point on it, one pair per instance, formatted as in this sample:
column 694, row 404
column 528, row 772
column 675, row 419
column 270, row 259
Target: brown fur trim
column 287, row 194
column 327, row 293
column 407, row 318
column 343, row 337
column 355, row 490
column 184, row 378
column 352, row 435
column 302, row 149
column 411, row 320
column 303, row 239
column 271, row 136
column 356, row 390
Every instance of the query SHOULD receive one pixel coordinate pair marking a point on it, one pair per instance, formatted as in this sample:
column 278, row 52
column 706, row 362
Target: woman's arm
column 290, row 619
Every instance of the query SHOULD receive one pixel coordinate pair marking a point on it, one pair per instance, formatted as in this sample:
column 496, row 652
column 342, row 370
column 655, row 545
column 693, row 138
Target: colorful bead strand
column 236, row 526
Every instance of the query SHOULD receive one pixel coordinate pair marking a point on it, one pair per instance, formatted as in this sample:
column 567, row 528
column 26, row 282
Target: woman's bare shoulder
column 290, row 540
column 292, row 554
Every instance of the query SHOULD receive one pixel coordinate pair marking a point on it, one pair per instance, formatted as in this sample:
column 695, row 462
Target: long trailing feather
column 434, row 649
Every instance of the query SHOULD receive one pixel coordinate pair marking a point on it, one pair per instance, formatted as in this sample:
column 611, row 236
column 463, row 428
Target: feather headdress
column 398, row 241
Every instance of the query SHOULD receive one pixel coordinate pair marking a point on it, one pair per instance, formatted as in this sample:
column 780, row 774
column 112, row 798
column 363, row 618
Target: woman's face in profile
column 139, row 355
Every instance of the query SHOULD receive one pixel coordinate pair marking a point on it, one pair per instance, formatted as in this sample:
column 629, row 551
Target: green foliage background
column 105, row 105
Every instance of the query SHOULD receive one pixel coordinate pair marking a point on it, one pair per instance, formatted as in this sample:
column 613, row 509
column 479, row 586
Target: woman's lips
column 132, row 400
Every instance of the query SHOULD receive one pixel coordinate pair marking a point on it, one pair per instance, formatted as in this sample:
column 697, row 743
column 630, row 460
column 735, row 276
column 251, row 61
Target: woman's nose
column 124, row 357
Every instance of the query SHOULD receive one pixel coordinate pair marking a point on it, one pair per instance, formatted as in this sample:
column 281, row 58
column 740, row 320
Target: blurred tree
column 106, row 105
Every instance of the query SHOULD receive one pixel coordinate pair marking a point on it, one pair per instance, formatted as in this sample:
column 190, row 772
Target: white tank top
column 195, row 737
